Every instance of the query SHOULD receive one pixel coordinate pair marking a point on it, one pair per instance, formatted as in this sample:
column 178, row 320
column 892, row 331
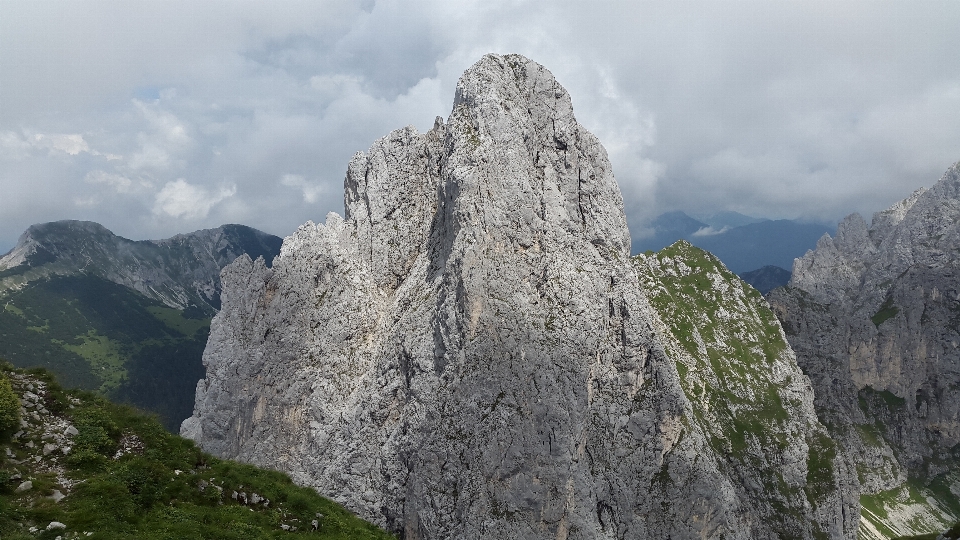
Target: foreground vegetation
column 121, row 475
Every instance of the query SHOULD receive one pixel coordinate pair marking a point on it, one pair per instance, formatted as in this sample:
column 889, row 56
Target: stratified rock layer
column 469, row 352
column 873, row 317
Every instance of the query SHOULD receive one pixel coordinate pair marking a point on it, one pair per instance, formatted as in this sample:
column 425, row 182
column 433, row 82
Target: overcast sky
column 159, row 118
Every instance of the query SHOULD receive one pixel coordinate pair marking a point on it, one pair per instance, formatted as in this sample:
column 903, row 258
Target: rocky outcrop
column 470, row 353
column 872, row 316
column 181, row 272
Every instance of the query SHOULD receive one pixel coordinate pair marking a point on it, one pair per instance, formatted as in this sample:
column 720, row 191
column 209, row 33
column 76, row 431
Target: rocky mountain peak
column 920, row 229
column 469, row 352
column 511, row 160
column 31, row 247
column 885, row 220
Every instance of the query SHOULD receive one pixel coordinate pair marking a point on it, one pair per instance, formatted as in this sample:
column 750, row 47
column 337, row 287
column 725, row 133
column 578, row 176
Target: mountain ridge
column 128, row 319
column 743, row 243
column 181, row 271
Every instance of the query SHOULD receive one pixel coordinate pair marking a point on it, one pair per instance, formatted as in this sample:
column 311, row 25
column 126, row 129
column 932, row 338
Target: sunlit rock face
column 873, row 317
column 470, row 351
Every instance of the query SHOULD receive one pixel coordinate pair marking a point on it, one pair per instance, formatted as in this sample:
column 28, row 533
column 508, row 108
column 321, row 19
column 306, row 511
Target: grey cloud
column 811, row 109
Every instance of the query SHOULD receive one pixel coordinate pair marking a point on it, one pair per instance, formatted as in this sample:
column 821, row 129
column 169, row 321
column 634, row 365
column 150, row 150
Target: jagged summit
column 511, row 152
column 469, row 352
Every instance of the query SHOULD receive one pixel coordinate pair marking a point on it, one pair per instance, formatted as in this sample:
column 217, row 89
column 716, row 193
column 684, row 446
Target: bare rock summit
column 470, row 352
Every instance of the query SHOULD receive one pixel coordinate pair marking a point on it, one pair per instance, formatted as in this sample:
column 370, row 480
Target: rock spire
column 469, row 352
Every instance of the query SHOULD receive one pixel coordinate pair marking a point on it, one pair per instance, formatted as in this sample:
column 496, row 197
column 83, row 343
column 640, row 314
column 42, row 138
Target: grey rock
column 71, row 431
column 872, row 316
column 469, row 351
column 24, row 486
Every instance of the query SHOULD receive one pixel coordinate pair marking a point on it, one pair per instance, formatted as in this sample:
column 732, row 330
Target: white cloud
column 330, row 86
column 709, row 231
column 768, row 108
column 165, row 140
column 87, row 202
column 120, row 183
column 311, row 191
column 183, row 200
column 13, row 146
column 71, row 144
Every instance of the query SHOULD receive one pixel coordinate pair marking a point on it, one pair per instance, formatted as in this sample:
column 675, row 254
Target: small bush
column 166, row 489
column 9, row 406
column 97, row 431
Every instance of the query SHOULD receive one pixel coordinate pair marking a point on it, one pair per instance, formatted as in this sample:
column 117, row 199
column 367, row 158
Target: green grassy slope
column 124, row 477
column 97, row 335
column 732, row 360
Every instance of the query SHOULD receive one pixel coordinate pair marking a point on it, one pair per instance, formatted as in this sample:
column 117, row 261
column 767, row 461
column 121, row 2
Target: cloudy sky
column 166, row 117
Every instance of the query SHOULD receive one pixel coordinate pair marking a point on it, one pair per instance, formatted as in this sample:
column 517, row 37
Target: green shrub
column 97, row 431
column 9, row 406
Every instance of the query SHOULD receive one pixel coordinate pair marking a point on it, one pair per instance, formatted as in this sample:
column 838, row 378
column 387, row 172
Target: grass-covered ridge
column 730, row 337
column 915, row 506
column 122, row 476
column 736, row 370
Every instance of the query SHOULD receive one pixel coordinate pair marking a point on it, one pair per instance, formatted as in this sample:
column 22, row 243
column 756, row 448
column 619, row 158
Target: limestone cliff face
column 469, row 351
column 872, row 316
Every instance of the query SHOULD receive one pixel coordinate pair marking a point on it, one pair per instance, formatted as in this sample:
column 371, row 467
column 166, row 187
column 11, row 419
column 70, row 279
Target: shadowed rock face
column 469, row 352
column 872, row 315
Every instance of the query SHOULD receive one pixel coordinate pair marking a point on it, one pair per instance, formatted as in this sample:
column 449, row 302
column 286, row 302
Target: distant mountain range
column 742, row 242
column 767, row 278
column 127, row 318
column 181, row 272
